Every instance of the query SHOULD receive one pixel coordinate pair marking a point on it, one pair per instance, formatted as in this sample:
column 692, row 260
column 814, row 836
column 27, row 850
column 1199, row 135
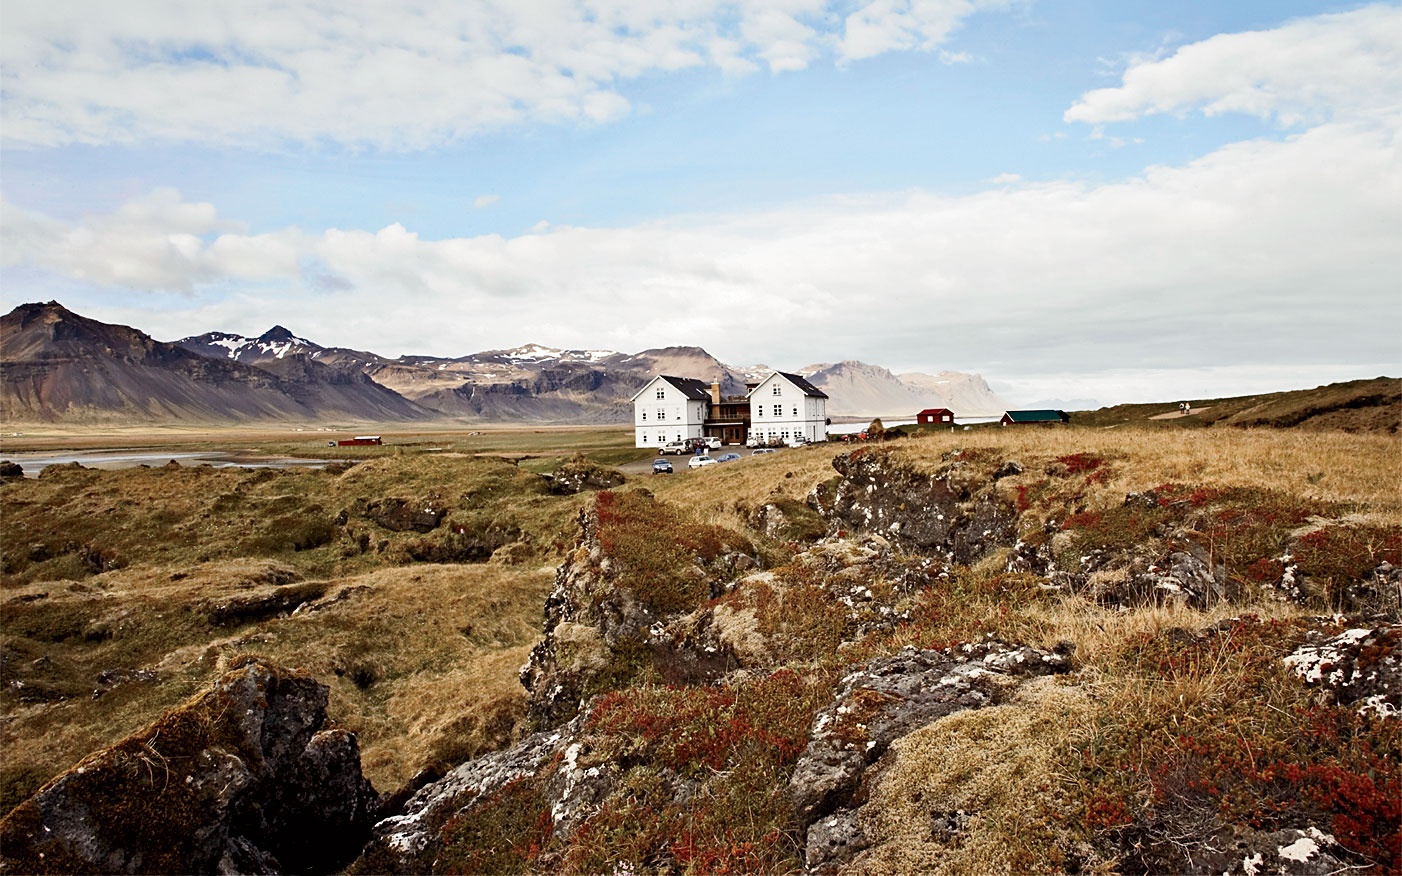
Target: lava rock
column 244, row 779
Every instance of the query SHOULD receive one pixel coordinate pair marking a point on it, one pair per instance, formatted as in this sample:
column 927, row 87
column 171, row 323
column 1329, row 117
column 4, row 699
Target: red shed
column 934, row 415
column 360, row 441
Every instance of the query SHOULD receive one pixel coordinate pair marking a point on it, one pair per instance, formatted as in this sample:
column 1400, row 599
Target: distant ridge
column 60, row 366
column 1353, row 406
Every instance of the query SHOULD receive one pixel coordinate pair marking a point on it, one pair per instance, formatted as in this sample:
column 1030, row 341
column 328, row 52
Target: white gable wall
column 663, row 413
column 779, row 410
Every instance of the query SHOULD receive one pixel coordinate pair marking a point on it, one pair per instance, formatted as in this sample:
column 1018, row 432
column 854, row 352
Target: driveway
column 679, row 462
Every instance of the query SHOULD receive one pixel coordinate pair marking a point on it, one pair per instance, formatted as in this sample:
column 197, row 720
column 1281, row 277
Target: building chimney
column 715, row 400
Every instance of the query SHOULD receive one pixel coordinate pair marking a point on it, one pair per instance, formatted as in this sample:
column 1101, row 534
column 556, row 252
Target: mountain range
column 59, row 366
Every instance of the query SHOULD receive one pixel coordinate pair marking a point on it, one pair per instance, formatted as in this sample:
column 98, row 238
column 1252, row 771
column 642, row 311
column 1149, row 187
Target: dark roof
column 1037, row 416
column 803, row 384
column 690, row 387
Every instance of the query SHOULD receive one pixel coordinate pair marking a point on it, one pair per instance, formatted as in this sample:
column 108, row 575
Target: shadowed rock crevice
column 242, row 779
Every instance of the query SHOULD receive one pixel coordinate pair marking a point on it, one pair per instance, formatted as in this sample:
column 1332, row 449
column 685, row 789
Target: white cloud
column 895, row 25
column 398, row 76
column 485, row 201
column 1261, row 254
column 1328, row 67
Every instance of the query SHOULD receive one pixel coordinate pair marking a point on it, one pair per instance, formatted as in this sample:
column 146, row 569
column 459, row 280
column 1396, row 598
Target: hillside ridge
column 281, row 375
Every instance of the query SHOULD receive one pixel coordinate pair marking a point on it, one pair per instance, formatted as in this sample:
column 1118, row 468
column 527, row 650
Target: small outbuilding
column 1017, row 418
column 934, row 415
column 360, row 441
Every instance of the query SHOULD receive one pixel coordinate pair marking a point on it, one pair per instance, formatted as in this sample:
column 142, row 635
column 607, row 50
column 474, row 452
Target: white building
column 786, row 406
column 669, row 409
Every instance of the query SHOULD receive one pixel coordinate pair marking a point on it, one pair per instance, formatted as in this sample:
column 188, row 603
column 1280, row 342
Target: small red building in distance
column 934, row 415
column 360, row 441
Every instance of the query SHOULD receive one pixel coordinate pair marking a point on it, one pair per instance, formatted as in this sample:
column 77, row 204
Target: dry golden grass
column 1327, row 466
column 989, row 778
column 421, row 658
column 724, row 494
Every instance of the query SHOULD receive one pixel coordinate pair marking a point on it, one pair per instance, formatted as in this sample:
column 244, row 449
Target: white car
column 700, row 462
column 711, row 442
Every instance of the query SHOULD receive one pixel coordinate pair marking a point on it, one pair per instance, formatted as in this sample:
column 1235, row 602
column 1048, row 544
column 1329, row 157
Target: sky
column 1107, row 200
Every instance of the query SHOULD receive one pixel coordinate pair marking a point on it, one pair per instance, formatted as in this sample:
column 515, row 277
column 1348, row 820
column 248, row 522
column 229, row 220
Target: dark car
column 661, row 466
column 727, row 457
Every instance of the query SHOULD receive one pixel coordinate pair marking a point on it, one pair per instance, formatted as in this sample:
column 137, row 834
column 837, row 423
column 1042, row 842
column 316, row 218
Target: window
column 778, row 410
column 778, row 390
column 661, row 393
column 644, row 437
column 759, row 410
column 644, row 416
column 661, row 413
column 795, row 410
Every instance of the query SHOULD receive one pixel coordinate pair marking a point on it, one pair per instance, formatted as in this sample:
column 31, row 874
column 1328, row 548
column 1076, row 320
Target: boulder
column 1358, row 667
column 244, row 778
column 880, row 702
column 403, row 515
column 579, row 474
column 951, row 514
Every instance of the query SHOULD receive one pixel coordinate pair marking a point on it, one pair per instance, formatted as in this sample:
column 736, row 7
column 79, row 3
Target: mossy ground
column 201, row 565
column 1174, row 716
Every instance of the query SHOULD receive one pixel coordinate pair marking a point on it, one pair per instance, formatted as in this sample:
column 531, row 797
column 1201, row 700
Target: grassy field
column 123, row 593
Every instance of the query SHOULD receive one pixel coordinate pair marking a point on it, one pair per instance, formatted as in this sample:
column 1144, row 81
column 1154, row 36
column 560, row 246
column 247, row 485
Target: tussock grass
column 110, row 575
column 1362, row 470
column 981, row 791
column 421, row 657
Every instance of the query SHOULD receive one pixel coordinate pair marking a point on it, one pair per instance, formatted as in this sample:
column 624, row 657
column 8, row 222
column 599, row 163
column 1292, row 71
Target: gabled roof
column 1037, row 416
column 802, row 383
column 935, row 411
column 688, row 386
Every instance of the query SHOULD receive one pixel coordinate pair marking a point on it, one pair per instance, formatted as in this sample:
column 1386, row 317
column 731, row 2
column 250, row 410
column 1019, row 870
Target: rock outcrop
column 607, row 617
column 580, row 474
column 949, row 514
column 1358, row 667
column 876, row 704
column 243, row 779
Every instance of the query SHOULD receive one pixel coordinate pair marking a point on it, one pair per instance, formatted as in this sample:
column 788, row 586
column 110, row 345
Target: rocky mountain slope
column 62, row 366
column 82, row 374
column 856, row 389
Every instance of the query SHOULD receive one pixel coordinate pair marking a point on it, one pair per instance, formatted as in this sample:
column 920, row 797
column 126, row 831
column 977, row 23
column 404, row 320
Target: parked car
column 727, row 457
column 700, row 462
column 759, row 450
column 677, row 447
column 711, row 442
column 661, row 466
column 796, row 441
